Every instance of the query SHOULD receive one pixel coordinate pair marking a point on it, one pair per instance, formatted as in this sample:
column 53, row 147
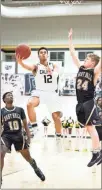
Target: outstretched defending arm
column 98, row 68
column 97, row 71
column 72, row 50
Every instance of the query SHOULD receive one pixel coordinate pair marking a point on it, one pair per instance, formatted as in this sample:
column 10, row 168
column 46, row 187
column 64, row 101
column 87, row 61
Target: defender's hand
column 70, row 34
column 29, row 140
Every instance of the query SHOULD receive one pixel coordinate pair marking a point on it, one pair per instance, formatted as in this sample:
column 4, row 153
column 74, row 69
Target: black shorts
column 99, row 130
column 87, row 113
column 45, row 124
column 18, row 140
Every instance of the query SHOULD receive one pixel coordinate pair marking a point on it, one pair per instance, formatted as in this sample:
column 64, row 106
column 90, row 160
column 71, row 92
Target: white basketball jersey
column 45, row 81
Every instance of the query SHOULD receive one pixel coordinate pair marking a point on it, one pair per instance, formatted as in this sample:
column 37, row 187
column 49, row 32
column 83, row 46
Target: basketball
column 24, row 51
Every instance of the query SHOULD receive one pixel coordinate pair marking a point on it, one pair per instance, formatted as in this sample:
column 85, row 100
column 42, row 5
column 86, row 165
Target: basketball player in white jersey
column 46, row 79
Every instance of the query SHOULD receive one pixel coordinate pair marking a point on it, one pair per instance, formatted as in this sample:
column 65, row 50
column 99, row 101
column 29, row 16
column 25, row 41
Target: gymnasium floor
column 63, row 168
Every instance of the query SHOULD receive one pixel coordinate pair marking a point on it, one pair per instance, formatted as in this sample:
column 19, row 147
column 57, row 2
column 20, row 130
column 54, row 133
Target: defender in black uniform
column 86, row 111
column 86, row 108
column 12, row 133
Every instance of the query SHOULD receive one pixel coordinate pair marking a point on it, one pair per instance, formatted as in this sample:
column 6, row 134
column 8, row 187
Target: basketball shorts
column 51, row 99
column 99, row 130
column 45, row 124
column 4, row 147
column 17, row 140
column 87, row 113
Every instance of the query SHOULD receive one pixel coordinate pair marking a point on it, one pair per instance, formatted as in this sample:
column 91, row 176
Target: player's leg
column 58, row 128
column 58, row 124
column 81, row 120
column 99, row 130
column 54, row 108
column 94, row 136
column 46, row 130
column 2, row 161
column 5, row 148
column 64, row 133
column 95, row 144
column 22, row 146
column 77, row 140
column 67, row 131
column 26, row 155
column 32, row 103
column 2, row 158
column 92, row 118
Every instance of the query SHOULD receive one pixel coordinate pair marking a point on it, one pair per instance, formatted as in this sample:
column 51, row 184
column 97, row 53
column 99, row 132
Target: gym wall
column 51, row 31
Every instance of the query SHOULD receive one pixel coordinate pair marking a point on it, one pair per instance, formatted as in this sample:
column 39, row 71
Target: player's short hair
column 41, row 49
column 4, row 95
column 94, row 57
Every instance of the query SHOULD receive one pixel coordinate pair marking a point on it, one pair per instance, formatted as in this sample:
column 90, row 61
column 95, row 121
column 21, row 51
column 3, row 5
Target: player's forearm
column 28, row 67
column 98, row 67
column 27, row 131
column 71, row 47
column 73, row 54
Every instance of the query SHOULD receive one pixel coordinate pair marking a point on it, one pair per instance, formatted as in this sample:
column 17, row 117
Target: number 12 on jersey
column 47, row 78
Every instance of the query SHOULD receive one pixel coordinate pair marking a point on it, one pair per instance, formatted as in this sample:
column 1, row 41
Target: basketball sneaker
column 99, row 159
column 1, row 179
column 58, row 144
column 37, row 170
column 39, row 174
column 94, row 159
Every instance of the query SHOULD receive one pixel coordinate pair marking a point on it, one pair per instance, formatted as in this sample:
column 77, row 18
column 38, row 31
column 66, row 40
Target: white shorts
column 51, row 99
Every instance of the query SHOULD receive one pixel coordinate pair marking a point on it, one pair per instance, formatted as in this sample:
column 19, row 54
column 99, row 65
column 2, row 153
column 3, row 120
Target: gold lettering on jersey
column 11, row 116
column 86, row 75
column 7, row 117
column 16, row 116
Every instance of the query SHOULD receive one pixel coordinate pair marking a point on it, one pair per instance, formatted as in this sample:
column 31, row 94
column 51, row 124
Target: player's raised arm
column 72, row 49
column 97, row 71
column 26, row 66
column 98, row 68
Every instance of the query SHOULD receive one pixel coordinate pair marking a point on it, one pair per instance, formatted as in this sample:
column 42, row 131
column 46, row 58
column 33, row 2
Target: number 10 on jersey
column 47, row 78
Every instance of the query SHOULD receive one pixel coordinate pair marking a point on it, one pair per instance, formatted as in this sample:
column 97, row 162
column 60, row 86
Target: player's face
column 100, row 114
column 9, row 98
column 88, row 63
column 43, row 55
column 100, row 102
